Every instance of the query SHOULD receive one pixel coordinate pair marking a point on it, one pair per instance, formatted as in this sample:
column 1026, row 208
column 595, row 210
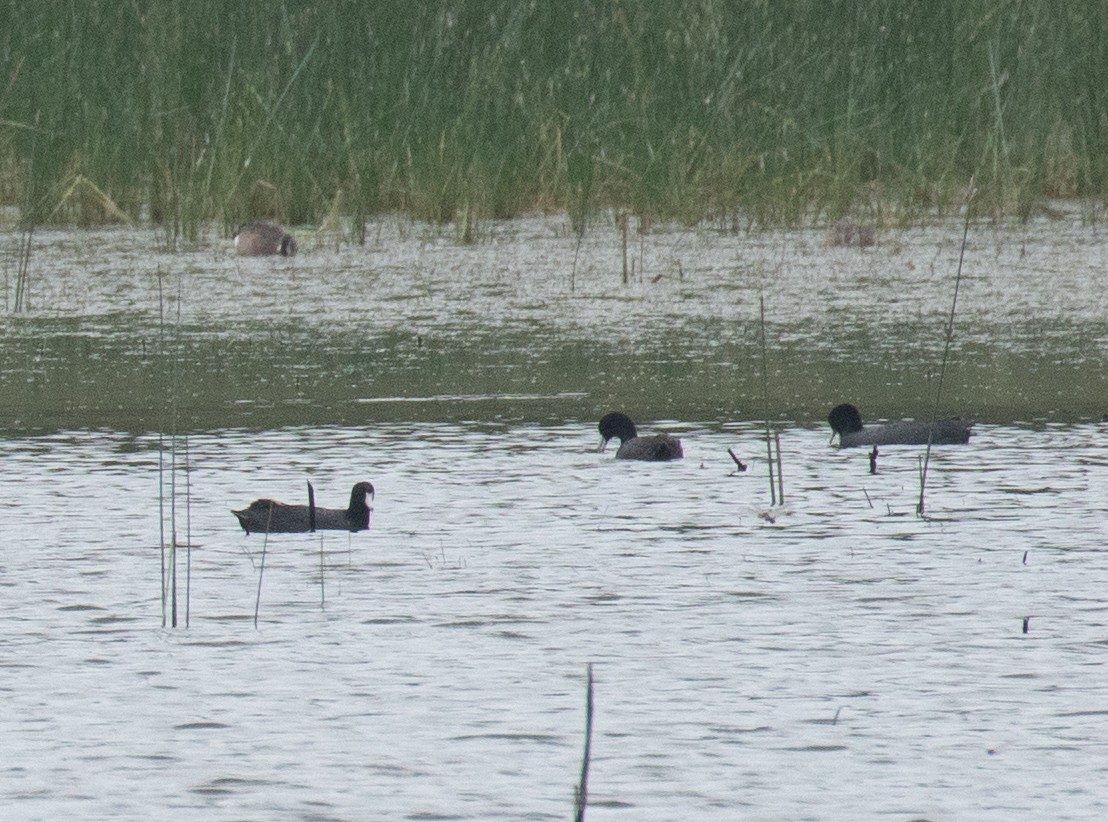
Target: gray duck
column 260, row 239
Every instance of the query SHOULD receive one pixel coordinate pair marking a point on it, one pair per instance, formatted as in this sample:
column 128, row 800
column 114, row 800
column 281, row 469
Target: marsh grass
column 465, row 112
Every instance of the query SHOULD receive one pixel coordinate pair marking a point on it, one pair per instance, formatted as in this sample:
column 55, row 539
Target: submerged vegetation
column 768, row 112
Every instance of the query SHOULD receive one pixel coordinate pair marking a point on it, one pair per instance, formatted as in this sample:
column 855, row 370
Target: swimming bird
column 259, row 239
column 265, row 515
column 847, row 423
column 656, row 448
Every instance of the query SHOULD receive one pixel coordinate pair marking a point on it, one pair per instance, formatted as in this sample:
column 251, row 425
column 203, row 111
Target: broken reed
column 779, row 111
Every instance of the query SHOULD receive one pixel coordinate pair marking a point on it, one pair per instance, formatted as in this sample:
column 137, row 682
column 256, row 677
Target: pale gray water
column 842, row 662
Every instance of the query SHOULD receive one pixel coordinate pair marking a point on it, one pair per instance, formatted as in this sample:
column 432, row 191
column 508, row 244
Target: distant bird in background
column 847, row 423
column 266, row 516
column 656, row 448
column 260, row 239
column 847, row 232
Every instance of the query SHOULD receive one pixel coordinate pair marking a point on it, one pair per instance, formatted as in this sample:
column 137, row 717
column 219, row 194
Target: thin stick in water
column 261, row 568
column 161, row 450
column 23, row 271
column 765, row 397
column 581, row 795
column 576, row 254
column 780, row 473
column 769, row 462
column 322, row 595
column 173, row 574
column 623, row 231
column 188, row 535
column 946, row 349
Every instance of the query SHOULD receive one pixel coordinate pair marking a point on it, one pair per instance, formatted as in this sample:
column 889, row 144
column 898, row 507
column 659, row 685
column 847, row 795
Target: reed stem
column 161, row 453
column 188, row 535
column 765, row 398
column 22, row 300
column 780, row 473
column 581, row 795
column 261, row 565
column 946, row 352
column 626, row 278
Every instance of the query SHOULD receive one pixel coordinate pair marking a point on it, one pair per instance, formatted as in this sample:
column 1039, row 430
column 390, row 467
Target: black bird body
column 656, row 448
column 847, row 423
column 266, row 515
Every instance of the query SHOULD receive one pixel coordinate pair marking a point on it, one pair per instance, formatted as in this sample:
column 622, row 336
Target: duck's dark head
column 844, row 419
column 359, row 492
column 358, row 512
column 616, row 425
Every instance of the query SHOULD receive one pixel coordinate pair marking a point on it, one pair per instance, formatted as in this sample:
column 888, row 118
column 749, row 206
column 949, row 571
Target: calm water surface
column 842, row 658
column 835, row 657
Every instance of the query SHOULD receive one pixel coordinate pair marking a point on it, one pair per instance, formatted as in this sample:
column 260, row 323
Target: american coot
column 259, row 239
column 847, row 423
column 657, row 448
column 264, row 515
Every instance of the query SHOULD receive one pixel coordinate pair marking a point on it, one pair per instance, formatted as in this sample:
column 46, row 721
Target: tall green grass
column 185, row 111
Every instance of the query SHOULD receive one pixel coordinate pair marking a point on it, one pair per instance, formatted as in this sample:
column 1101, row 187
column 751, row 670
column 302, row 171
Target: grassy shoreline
column 761, row 112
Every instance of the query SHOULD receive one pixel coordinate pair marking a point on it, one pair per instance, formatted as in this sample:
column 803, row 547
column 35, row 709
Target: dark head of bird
column 618, row 426
column 358, row 495
column 844, row 419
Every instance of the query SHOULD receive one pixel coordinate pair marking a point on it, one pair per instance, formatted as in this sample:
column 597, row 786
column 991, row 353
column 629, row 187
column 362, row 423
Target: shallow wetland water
column 835, row 657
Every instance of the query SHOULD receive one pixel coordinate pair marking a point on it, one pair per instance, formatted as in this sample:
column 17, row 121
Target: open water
column 834, row 657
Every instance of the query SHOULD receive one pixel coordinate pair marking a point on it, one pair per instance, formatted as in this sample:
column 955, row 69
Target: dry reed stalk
column 576, row 253
column 23, row 272
column 623, row 232
column 581, row 794
column 261, row 567
column 946, row 351
column 161, row 451
column 780, row 473
column 188, row 534
column 769, row 462
column 765, row 398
